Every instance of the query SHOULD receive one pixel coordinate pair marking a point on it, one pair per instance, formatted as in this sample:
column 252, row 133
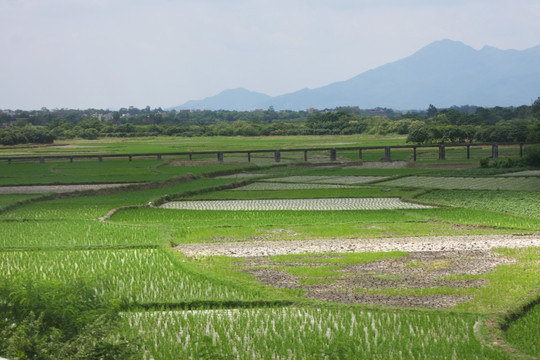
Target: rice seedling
column 188, row 226
column 508, row 202
column 479, row 183
column 307, row 191
column 108, row 171
column 64, row 234
column 144, row 273
column 263, row 186
column 136, row 275
column 332, row 204
column 307, row 333
column 94, row 207
column 11, row 199
column 324, row 179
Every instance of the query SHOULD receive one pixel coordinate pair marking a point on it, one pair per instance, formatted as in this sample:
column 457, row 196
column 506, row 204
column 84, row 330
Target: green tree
column 418, row 133
column 432, row 111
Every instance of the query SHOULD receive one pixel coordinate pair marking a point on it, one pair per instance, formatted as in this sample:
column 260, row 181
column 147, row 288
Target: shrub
column 532, row 155
column 484, row 163
column 52, row 320
column 504, row 163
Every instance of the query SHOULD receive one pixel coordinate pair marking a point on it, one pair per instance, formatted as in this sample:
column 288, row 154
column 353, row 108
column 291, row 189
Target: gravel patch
column 296, row 204
column 408, row 244
column 44, row 189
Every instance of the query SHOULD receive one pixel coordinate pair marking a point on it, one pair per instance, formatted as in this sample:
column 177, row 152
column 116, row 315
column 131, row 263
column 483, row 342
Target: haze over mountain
column 444, row 73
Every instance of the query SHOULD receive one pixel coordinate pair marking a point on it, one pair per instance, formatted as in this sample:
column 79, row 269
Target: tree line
column 452, row 125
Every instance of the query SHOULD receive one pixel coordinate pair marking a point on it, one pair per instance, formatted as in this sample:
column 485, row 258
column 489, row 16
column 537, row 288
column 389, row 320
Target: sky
column 110, row 54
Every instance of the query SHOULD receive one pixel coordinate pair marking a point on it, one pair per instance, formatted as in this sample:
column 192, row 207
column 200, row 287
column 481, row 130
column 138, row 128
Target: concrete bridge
column 220, row 155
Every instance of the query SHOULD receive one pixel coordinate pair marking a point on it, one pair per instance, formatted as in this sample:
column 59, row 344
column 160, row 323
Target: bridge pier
column 442, row 152
column 494, row 151
column 387, row 154
column 333, row 155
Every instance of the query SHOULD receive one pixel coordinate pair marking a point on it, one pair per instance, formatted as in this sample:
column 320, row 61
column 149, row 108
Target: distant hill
column 444, row 73
column 235, row 99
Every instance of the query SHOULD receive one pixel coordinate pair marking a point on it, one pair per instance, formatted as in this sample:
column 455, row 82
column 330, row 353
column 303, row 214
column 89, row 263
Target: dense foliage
column 54, row 320
column 457, row 124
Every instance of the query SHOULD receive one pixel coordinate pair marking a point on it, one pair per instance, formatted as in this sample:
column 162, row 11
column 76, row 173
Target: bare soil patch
column 359, row 283
column 431, row 263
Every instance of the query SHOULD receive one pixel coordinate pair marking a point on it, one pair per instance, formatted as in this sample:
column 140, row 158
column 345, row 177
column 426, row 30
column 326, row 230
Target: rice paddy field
column 450, row 296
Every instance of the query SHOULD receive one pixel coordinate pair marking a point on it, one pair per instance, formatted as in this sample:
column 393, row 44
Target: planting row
column 94, row 207
column 484, row 183
column 265, row 186
column 137, row 275
column 77, row 233
column 510, row 202
column 109, row 171
column 296, row 204
column 188, row 226
column 327, row 179
column 306, row 333
column 44, row 189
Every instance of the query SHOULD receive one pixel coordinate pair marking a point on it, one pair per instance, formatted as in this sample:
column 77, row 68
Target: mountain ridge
column 444, row 73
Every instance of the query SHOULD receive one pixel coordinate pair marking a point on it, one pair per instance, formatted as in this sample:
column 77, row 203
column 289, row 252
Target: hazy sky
column 161, row 53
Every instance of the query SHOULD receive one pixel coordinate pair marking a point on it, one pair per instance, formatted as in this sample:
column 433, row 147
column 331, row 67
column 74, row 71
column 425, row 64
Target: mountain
column 444, row 73
column 234, row 99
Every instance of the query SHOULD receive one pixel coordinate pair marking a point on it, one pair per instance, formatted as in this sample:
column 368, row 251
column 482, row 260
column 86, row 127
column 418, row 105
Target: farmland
column 231, row 259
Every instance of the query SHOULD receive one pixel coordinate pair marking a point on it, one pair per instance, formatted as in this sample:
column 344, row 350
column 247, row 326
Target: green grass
column 508, row 284
column 333, row 262
column 508, row 202
column 190, row 226
column 338, row 170
column 337, row 258
column 166, row 144
column 326, row 271
column 10, row 199
column 522, row 333
column 108, row 171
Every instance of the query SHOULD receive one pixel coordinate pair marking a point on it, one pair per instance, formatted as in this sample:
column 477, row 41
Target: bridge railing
column 221, row 154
